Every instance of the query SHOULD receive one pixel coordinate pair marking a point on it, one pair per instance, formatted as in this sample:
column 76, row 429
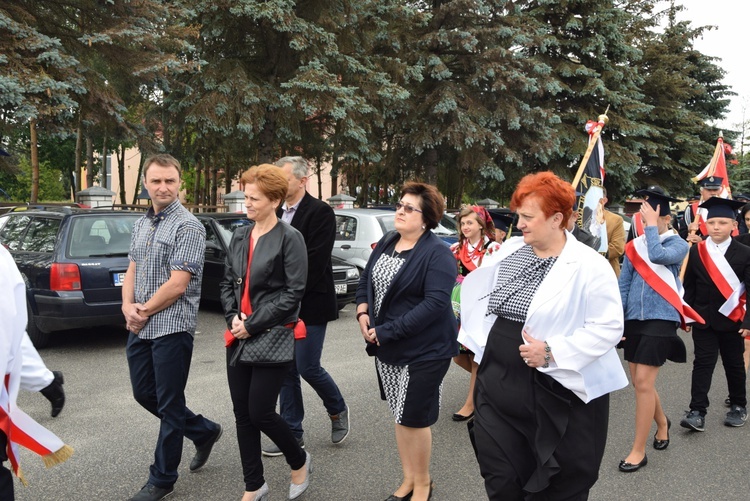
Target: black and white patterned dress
column 406, row 387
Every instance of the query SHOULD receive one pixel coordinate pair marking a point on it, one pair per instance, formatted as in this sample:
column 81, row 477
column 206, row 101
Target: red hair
column 551, row 193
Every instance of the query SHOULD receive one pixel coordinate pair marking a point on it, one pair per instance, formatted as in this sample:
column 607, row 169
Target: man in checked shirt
column 160, row 297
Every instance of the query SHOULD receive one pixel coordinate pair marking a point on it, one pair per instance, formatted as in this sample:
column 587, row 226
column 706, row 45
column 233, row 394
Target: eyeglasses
column 407, row 208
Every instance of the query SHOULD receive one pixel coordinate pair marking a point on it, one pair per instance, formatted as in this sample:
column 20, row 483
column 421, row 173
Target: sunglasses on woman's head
column 407, row 208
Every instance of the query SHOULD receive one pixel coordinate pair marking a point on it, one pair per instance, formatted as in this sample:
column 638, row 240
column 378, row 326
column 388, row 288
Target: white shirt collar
column 721, row 248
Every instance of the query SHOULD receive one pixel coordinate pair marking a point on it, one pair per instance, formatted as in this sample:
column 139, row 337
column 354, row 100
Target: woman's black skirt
column 535, row 439
column 413, row 391
column 653, row 342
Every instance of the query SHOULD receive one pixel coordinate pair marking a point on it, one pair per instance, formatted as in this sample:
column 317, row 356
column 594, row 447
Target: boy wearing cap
column 716, row 277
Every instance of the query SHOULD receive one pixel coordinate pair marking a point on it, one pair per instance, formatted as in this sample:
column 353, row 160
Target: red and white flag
column 717, row 167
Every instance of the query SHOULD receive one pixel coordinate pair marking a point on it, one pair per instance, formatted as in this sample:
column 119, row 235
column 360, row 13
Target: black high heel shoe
column 660, row 445
column 393, row 497
column 626, row 467
column 461, row 417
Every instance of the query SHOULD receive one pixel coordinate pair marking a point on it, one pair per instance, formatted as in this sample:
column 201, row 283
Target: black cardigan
column 416, row 321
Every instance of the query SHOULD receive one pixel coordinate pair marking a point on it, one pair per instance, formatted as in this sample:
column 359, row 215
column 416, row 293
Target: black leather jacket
column 277, row 277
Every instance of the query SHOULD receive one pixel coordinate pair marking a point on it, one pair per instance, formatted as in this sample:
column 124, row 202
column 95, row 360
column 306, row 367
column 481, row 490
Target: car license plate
column 340, row 288
column 118, row 278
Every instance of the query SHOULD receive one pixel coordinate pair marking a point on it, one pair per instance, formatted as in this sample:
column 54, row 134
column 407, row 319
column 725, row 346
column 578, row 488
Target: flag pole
column 710, row 170
column 603, row 120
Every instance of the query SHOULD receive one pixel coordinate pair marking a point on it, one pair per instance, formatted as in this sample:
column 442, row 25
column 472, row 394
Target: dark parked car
column 73, row 262
column 345, row 280
column 219, row 228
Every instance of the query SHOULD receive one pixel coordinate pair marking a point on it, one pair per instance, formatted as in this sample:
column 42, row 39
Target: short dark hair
column 269, row 179
column 163, row 160
column 431, row 200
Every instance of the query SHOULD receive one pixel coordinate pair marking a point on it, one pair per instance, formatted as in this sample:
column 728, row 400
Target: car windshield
column 446, row 226
column 101, row 235
column 227, row 227
column 387, row 222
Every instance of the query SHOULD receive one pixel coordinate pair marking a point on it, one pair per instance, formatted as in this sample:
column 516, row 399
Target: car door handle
column 346, row 247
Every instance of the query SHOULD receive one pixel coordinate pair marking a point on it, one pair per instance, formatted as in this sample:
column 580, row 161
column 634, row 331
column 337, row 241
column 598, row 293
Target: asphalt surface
column 114, row 437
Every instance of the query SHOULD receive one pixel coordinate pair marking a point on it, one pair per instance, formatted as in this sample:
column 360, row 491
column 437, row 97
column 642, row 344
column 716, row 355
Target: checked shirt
column 170, row 240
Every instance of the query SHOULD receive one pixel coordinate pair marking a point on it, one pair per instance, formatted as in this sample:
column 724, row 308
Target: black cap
column 502, row 220
column 655, row 195
column 742, row 197
column 721, row 207
column 711, row 182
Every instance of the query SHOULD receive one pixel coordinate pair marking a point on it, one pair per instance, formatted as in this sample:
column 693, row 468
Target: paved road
column 114, row 437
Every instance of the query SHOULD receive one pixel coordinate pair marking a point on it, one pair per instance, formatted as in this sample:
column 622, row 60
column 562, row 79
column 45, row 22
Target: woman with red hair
column 543, row 321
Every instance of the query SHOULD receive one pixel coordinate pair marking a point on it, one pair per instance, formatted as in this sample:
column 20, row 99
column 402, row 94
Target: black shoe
column 461, row 417
column 630, row 467
column 55, row 393
column 736, row 416
column 693, row 420
column 202, row 452
column 727, row 402
column 150, row 492
column 660, row 445
column 393, row 497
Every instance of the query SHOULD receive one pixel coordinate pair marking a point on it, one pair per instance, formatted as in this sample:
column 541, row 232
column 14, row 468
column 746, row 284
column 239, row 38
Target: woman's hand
column 371, row 336
column 535, row 353
column 364, row 327
column 238, row 327
column 649, row 214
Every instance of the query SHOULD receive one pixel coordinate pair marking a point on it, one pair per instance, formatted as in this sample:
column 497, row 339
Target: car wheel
column 38, row 337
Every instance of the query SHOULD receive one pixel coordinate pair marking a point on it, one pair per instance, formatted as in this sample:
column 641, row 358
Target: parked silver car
column 359, row 230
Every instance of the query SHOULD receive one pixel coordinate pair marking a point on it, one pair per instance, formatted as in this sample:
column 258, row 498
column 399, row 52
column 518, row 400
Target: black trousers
column 535, row 439
column 254, row 392
column 708, row 345
column 6, row 477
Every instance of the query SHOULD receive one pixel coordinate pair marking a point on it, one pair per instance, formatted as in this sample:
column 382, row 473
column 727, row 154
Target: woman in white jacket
column 542, row 319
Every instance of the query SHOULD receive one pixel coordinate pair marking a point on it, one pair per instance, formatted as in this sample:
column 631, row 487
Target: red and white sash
column 661, row 280
column 725, row 279
column 22, row 430
column 638, row 225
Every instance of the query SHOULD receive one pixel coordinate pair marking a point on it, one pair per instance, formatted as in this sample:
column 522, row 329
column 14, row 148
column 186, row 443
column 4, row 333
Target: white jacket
column 577, row 310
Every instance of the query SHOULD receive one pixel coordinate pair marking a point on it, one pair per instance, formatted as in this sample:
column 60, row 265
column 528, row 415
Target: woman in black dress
column 405, row 315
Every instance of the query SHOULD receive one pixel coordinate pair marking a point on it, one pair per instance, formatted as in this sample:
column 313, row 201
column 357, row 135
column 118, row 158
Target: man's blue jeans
column 307, row 356
column 158, row 373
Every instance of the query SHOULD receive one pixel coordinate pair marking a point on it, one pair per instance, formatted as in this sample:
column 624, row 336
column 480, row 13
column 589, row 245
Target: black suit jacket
column 704, row 296
column 317, row 223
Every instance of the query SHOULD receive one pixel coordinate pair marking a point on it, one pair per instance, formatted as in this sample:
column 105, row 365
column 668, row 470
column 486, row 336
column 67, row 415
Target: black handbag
column 274, row 346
